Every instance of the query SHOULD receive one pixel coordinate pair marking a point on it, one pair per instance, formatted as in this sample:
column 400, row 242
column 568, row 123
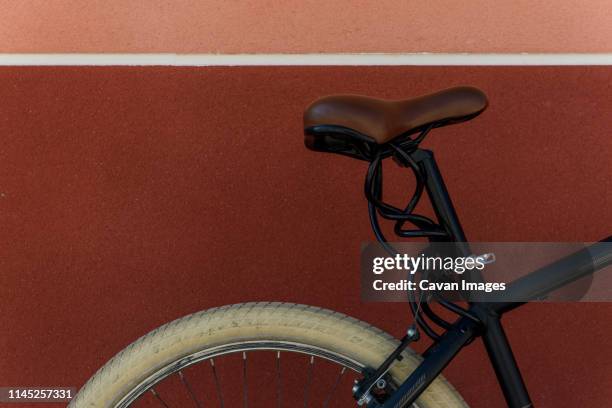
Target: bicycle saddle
column 360, row 126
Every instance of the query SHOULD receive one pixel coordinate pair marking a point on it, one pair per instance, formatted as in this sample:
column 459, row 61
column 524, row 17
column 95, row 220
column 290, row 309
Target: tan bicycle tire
column 281, row 322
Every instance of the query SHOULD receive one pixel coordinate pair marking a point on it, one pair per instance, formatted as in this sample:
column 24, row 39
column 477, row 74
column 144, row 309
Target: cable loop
column 425, row 227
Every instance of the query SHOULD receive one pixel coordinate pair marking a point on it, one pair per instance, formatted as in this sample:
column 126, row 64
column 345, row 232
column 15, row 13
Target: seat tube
column 440, row 199
column 501, row 356
column 443, row 207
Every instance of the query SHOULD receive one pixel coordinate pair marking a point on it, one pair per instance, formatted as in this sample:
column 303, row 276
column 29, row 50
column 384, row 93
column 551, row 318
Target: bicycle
column 379, row 370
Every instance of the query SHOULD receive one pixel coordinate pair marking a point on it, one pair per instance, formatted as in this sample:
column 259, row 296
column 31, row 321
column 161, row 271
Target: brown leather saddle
column 363, row 127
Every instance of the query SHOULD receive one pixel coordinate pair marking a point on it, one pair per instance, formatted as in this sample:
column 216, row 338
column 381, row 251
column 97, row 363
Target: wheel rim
column 177, row 367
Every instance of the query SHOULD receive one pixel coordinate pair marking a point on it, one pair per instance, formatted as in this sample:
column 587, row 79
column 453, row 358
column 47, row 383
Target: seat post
column 440, row 200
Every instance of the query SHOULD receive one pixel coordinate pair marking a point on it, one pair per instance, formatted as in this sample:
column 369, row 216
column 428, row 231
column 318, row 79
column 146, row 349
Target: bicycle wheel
column 317, row 347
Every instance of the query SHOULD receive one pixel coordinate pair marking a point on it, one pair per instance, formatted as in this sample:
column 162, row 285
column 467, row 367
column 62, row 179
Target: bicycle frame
column 489, row 326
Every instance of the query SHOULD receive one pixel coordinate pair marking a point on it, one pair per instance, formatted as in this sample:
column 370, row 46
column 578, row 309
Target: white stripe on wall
column 302, row 59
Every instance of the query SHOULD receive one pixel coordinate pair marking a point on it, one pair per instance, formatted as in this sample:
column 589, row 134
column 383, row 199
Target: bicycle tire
column 324, row 329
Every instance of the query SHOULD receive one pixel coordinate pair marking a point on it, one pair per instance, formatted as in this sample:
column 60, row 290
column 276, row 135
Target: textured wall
column 132, row 196
column 305, row 26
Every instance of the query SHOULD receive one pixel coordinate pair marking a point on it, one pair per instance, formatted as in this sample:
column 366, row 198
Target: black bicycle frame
column 488, row 324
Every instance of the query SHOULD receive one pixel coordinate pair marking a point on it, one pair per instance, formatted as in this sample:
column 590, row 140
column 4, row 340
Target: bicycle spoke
column 245, row 386
column 189, row 389
column 308, row 382
column 217, row 384
column 158, row 398
column 335, row 386
column 278, row 380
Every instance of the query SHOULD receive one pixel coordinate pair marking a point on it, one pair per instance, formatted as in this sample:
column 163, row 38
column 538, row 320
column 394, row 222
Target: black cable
column 456, row 308
column 434, row 317
column 426, row 226
column 373, row 192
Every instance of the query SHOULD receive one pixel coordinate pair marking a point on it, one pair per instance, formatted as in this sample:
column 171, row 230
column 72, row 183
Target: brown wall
column 132, row 196
column 295, row 26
